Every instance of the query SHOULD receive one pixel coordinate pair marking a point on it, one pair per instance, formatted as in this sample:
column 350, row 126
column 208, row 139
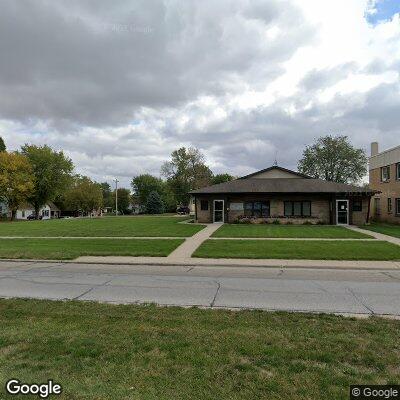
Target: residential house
column 48, row 211
column 384, row 176
column 277, row 193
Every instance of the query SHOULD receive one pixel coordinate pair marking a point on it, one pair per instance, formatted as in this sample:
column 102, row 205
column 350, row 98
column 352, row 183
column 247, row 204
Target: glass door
column 342, row 212
column 218, row 210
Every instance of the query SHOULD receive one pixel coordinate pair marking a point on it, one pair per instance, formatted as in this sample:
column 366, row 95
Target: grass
column 287, row 231
column 107, row 227
column 100, row 351
column 386, row 229
column 299, row 249
column 69, row 249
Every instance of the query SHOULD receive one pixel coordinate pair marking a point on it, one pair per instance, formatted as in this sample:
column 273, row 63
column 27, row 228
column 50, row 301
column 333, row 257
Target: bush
column 276, row 222
column 320, row 222
column 154, row 204
column 289, row 222
column 307, row 222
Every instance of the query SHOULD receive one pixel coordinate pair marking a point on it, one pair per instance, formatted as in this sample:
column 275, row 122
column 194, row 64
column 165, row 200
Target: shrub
column 276, row 222
column 307, row 222
column 320, row 222
column 289, row 222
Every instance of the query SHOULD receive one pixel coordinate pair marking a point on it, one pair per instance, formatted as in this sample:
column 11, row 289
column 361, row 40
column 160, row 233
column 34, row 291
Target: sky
column 119, row 85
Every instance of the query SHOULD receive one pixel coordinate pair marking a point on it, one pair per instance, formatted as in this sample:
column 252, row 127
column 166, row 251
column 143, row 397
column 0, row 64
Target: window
column 398, row 171
column 397, row 206
column 385, row 173
column 357, row 205
column 45, row 213
column 377, row 206
column 389, row 205
column 256, row 209
column 204, row 205
column 297, row 208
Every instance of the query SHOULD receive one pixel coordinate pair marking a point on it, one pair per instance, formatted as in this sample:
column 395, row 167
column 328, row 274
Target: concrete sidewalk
column 376, row 235
column 189, row 246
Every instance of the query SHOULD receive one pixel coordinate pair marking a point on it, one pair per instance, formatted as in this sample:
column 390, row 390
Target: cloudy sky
column 120, row 84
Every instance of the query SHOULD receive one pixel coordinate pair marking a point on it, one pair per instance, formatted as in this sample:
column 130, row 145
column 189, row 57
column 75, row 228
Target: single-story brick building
column 277, row 193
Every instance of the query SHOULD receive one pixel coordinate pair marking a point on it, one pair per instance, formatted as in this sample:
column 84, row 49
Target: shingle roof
column 282, row 185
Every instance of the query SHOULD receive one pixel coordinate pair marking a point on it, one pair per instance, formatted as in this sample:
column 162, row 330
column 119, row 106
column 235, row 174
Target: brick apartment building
column 384, row 176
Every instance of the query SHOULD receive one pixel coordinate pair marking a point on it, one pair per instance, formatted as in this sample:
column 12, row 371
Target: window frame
column 252, row 209
column 291, row 207
column 397, row 205
column 387, row 169
column 202, row 202
column 389, row 205
column 357, row 209
column 398, row 171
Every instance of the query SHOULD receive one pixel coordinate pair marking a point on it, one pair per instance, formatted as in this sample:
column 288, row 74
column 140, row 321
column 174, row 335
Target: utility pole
column 116, row 196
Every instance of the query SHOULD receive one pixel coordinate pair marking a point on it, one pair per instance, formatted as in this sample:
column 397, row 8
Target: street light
column 116, row 196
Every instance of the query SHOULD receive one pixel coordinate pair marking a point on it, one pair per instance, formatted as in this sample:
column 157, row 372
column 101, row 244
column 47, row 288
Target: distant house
column 48, row 211
column 4, row 211
column 277, row 193
column 384, row 176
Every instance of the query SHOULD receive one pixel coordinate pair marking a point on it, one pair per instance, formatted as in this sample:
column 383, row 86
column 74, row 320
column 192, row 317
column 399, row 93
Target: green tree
column 2, row 145
column 51, row 172
column 186, row 171
column 221, row 178
column 107, row 194
column 16, row 181
column 154, row 203
column 83, row 195
column 334, row 159
column 124, row 200
column 143, row 185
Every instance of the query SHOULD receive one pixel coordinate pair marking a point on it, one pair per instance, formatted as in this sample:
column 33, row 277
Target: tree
column 334, row 159
column 51, row 171
column 154, row 203
column 83, row 195
column 2, row 145
column 186, row 171
column 107, row 194
column 144, row 184
column 124, row 200
column 221, row 178
column 16, row 181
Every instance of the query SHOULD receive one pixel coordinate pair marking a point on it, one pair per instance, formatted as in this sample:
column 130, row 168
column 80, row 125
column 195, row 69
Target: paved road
column 339, row 291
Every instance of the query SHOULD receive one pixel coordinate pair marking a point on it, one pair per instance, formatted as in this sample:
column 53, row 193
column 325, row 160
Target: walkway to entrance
column 376, row 235
column 188, row 247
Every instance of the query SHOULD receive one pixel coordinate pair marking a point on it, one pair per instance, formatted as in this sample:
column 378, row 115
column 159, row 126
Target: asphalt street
column 316, row 290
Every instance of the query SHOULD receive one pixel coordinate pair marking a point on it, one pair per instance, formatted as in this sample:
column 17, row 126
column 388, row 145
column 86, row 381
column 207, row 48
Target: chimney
column 374, row 148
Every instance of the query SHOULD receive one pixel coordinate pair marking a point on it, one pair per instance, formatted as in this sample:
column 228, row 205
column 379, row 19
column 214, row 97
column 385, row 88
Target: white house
column 48, row 211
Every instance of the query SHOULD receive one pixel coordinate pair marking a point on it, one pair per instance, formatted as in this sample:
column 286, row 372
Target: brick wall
column 390, row 189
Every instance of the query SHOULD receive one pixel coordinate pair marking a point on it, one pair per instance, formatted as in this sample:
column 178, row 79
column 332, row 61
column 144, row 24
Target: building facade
column 279, row 194
column 384, row 176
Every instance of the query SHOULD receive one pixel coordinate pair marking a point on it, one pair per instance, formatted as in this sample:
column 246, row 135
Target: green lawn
column 287, row 231
column 69, row 249
column 299, row 249
column 100, row 351
column 117, row 226
column 387, row 229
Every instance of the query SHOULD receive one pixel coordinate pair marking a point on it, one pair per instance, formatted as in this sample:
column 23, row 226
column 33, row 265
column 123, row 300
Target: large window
column 397, row 206
column 385, row 173
column 297, row 209
column 204, row 205
column 398, row 171
column 256, row 209
column 357, row 205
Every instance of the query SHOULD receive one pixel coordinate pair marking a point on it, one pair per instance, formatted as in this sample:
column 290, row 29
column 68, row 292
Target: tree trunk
column 37, row 209
column 13, row 214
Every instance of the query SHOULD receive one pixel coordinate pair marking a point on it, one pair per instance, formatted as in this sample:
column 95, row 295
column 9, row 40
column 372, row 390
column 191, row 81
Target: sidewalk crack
column 216, row 294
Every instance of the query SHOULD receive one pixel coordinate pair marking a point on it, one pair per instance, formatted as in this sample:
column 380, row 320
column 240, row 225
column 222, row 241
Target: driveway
column 317, row 290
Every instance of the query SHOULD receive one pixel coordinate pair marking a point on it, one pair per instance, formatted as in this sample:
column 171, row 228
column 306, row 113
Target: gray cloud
column 119, row 85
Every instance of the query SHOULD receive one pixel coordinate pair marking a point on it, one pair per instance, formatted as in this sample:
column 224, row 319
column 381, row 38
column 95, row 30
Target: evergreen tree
column 154, row 203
